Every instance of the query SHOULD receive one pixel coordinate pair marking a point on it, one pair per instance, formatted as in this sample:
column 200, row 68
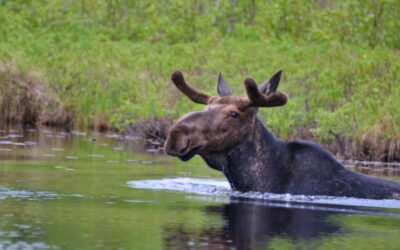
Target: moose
column 230, row 138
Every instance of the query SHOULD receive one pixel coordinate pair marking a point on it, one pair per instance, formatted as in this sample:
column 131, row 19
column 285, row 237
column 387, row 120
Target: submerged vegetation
column 108, row 64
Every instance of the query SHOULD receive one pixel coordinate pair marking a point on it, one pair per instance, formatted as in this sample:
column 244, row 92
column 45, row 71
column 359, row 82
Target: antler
column 193, row 94
column 258, row 99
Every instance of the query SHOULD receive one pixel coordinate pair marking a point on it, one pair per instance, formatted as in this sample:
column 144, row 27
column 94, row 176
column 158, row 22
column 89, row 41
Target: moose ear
column 271, row 85
column 222, row 87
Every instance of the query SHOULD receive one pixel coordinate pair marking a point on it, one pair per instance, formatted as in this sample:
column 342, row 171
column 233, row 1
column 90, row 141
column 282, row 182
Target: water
column 95, row 191
column 221, row 188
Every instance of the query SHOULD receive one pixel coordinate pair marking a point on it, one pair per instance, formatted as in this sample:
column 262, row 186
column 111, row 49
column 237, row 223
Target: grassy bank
column 95, row 63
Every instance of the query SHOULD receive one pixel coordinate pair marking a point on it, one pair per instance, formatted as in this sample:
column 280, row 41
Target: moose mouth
column 189, row 155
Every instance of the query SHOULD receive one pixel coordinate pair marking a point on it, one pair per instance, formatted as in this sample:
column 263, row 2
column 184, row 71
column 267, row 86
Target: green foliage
column 372, row 22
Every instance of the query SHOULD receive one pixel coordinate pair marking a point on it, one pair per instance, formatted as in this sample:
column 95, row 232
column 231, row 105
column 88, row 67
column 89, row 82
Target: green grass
column 111, row 61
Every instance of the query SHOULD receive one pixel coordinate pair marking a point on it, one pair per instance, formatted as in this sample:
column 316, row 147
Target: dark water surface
column 85, row 191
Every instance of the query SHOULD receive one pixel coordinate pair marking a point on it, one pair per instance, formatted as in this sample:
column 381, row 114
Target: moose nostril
column 183, row 150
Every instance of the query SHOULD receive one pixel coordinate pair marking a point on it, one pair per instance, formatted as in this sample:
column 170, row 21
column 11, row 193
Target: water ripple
column 221, row 188
column 21, row 194
column 25, row 194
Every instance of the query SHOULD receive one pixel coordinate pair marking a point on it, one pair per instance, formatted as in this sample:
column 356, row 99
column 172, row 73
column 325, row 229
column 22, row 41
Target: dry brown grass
column 25, row 100
column 379, row 143
column 154, row 130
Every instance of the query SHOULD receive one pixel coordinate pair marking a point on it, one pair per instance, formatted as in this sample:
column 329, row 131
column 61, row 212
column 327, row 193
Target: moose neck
column 252, row 164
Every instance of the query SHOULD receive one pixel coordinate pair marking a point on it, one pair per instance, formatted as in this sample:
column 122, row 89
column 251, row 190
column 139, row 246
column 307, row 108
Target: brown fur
column 216, row 130
column 223, row 121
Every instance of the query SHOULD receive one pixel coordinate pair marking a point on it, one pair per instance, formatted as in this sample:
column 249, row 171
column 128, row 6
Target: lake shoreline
column 154, row 132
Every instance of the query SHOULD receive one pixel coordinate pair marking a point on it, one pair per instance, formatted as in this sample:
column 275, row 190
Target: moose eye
column 234, row 114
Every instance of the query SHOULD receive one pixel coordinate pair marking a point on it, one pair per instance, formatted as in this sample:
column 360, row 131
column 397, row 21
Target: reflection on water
column 379, row 170
column 376, row 168
column 248, row 225
column 84, row 190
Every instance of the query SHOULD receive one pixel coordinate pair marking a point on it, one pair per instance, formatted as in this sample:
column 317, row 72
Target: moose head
column 224, row 120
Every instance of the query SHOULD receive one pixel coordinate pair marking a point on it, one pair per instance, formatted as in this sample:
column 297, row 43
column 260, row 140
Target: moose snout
column 183, row 140
column 177, row 146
